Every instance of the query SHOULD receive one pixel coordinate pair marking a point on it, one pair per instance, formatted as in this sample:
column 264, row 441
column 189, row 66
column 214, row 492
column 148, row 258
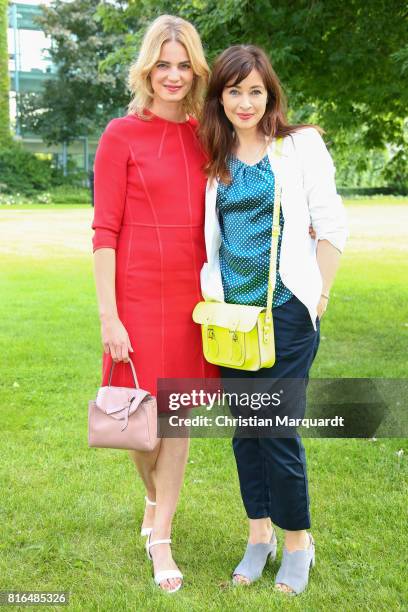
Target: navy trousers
column 272, row 471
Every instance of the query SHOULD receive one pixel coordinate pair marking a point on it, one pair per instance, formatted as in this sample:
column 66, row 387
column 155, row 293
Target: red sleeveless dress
column 149, row 206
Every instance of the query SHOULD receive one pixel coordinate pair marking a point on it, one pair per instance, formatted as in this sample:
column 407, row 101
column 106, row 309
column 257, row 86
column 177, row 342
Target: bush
column 75, row 177
column 12, row 199
column 70, row 195
column 22, row 172
column 56, row 195
column 371, row 191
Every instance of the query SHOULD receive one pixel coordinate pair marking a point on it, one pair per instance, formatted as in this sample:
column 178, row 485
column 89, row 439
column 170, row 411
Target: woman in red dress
column 149, row 249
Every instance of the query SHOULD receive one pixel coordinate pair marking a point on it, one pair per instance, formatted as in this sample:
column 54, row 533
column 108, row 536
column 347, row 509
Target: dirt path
column 38, row 233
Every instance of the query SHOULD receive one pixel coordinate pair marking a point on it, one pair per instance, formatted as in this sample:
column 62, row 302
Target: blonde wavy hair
column 161, row 30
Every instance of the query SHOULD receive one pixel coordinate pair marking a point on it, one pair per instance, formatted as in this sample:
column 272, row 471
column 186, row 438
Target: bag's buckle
column 234, row 338
column 211, row 336
column 267, row 329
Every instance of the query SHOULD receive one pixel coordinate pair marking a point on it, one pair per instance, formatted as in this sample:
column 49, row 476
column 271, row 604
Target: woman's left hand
column 322, row 306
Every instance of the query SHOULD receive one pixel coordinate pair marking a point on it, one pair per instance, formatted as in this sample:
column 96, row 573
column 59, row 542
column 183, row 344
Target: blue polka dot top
column 245, row 209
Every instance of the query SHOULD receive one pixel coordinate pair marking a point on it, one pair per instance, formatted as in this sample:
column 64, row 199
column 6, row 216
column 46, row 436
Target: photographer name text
column 253, row 421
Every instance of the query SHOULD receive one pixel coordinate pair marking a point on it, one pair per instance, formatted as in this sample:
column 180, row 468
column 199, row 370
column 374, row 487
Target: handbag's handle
column 133, row 372
column 274, row 249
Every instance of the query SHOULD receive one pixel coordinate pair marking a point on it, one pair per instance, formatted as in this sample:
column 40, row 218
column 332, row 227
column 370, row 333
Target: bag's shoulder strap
column 274, row 240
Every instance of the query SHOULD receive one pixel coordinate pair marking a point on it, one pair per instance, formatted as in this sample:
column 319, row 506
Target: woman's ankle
column 151, row 495
column 161, row 532
column 296, row 540
column 260, row 531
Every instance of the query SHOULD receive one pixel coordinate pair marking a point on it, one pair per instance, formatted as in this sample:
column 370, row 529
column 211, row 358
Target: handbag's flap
column 236, row 317
column 119, row 401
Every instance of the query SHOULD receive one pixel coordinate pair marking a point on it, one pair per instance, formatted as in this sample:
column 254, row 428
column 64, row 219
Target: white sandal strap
column 166, row 575
column 149, row 502
column 167, row 541
column 146, row 531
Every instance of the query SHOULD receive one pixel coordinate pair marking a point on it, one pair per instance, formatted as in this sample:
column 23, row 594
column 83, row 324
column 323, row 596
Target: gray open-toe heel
column 254, row 560
column 294, row 569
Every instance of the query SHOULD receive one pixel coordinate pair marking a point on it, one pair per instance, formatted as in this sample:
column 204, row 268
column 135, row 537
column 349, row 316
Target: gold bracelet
column 325, row 296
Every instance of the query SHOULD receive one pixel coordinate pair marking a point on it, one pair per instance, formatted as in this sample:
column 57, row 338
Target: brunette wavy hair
column 216, row 131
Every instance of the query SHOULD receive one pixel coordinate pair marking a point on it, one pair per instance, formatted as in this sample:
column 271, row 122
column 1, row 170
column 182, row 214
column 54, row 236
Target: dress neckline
column 158, row 118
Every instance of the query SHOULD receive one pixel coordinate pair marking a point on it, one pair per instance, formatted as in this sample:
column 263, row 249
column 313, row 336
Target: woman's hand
column 312, row 233
column 322, row 306
column 115, row 339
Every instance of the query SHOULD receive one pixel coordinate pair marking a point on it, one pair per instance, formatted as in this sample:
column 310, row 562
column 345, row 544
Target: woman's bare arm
column 328, row 259
column 115, row 339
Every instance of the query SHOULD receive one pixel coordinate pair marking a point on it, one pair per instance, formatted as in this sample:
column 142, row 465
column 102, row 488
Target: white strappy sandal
column 164, row 574
column 146, row 531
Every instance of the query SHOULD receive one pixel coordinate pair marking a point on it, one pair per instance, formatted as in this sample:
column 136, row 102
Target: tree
column 79, row 99
column 341, row 65
column 5, row 135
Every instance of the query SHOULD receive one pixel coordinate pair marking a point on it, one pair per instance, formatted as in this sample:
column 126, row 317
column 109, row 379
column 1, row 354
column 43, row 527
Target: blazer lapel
column 276, row 160
column 279, row 167
column 211, row 229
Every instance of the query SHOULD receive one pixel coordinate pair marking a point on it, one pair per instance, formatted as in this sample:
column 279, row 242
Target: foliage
column 79, row 99
column 23, row 173
column 4, row 76
column 396, row 171
column 13, row 199
column 66, row 194
column 63, row 194
column 341, row 66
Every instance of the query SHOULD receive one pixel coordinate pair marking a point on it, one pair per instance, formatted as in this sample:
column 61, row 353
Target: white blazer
column 305, row 171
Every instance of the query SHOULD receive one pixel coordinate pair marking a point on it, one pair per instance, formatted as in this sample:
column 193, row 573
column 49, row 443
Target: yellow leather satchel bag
column 237, row 335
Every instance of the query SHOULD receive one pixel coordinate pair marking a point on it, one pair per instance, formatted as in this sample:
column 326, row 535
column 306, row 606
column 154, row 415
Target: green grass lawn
column 71, row 515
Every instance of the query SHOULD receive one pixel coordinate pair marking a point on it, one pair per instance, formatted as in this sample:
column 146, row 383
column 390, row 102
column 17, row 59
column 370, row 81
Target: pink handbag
column 123, row 417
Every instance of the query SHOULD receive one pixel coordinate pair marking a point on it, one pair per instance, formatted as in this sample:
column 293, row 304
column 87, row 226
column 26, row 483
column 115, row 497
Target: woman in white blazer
column 243, row 119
